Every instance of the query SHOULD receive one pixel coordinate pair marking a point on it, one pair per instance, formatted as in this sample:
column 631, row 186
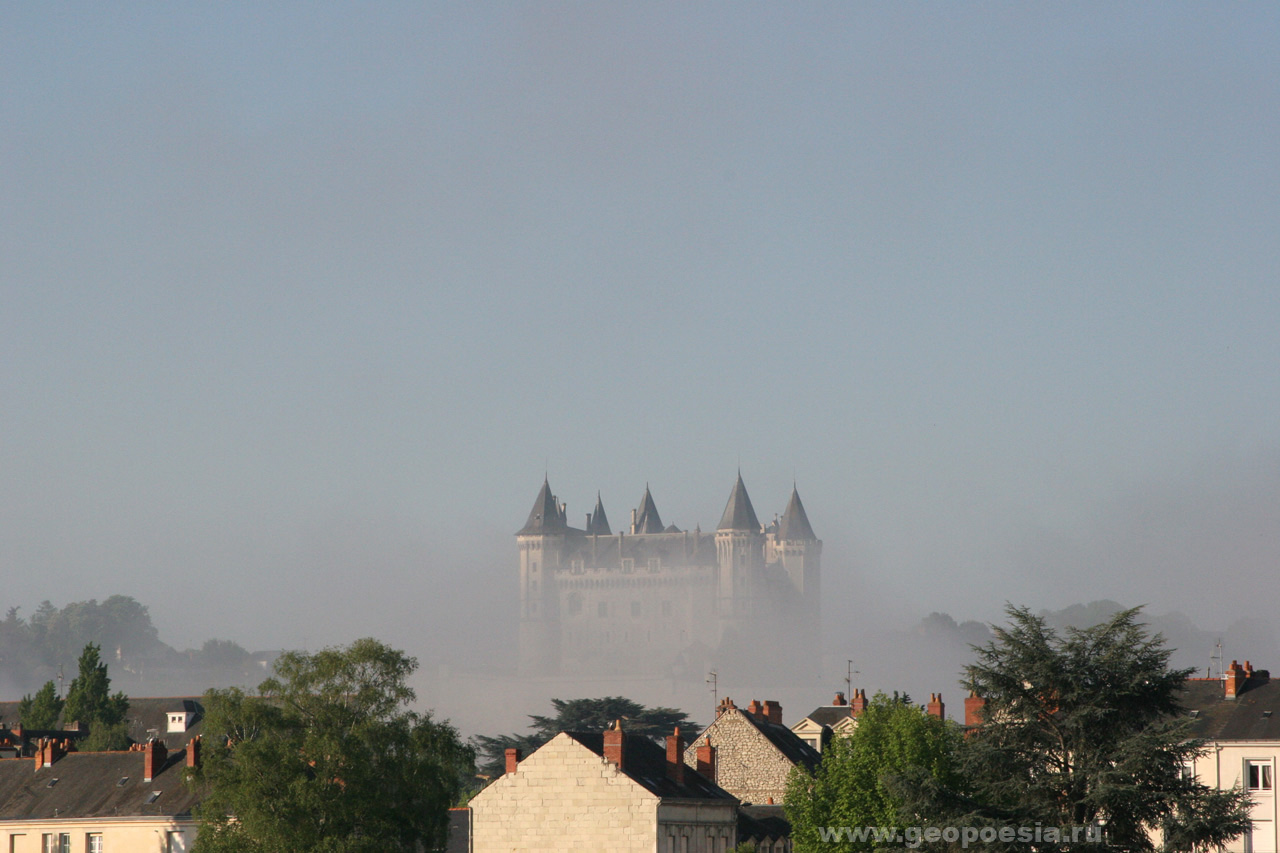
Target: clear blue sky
column 299, row 301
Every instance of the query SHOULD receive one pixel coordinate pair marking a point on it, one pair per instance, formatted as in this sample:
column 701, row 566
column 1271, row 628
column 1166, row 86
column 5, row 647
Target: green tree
column 581, row 715
column 1083, row 728
column 42, row 710
column 89, row 698
column 328, row 758
column 853, row 786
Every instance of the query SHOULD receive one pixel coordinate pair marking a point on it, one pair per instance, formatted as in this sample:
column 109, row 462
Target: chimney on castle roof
column 613, row 744
column 839, row 700
column 859, row 703
column 973, row 705
column 153, row 756
column 675, row 757
column 935, row 707
column 513, row 759
column 772, row 711
column 707, row 760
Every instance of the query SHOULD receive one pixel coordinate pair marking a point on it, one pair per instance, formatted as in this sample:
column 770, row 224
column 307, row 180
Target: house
column 603, row 791
column 1238, row 715
column 653, row 599
column 173, row 719
column 822, row 722
column 98, row 802
column 753, row 751
column 841, row 718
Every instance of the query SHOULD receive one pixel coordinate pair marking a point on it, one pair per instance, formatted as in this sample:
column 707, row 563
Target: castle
column 661, row 601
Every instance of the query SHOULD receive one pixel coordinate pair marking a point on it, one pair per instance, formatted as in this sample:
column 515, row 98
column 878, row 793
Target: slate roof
column 829, row 715
column 1243, row 718
column 89, row 786
column 795, row 523
column 645, row 763
column 545, row 517
column 147, row 717
column 738, row 513
column 790, row 744
column 599, row 523
column 761, row 823
column 647, row 520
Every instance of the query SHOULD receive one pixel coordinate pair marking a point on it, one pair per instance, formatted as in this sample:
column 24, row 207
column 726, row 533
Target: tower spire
column 738, row 513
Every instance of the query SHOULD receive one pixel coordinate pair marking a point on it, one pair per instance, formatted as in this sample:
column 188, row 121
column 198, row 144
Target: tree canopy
column 1081, row 728
column 42, row 710
column 852, row 785
column 327, row 758
column 581, row 715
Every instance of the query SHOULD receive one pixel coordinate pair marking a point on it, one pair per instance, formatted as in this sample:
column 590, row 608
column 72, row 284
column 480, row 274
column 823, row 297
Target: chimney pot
column 973, row 705
column 839, row 700
column 153, row 756
column 859, row 703
column 936, row 707
column 513, row 759
column 772, row 711
column 193, row 752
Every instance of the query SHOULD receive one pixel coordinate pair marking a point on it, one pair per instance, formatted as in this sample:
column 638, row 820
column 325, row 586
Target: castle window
column 602, row 609
column 628, row 565
column 635, row 610
column 575, row 604
column 533, row 566
column 655, row 564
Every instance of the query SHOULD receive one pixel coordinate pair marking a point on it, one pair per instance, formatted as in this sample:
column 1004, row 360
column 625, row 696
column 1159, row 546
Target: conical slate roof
column 545, row 517
column 647, row 520
column 739, row 514
column 795, row 524
column 599, row 521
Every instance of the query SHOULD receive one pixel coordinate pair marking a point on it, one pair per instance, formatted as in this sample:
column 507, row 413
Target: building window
column 175, row 842
column 628, row 565
column 655, row 564
column 533, row 567
column 56, row 842
column 93, row 842
column 1259, row 773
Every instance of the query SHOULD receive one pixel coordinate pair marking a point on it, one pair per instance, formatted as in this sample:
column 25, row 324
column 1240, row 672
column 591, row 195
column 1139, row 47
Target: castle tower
column 740, row 555
column 801, row 554
column 541, row 543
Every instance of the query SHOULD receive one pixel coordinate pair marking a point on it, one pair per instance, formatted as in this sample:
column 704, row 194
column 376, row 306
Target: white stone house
column 827, row 720
column 610, row 791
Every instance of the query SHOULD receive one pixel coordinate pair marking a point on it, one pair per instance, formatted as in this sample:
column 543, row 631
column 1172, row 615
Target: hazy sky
column 299, row 301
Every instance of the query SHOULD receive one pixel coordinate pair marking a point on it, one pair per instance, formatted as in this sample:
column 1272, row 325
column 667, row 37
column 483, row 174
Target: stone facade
column 655, row 600
column 567, row 797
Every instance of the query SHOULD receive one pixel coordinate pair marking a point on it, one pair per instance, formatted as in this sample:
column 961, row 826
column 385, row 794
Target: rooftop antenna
column 59, row 681
column 712, row 680
column 849, row 673
column 1216, row 657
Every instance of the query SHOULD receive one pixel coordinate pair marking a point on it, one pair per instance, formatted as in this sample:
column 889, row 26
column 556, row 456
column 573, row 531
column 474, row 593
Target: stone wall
column 748, row 765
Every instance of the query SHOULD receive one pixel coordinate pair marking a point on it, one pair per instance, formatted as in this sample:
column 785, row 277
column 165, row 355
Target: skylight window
column 52, row 782
column 124, row 780
column 151, row 798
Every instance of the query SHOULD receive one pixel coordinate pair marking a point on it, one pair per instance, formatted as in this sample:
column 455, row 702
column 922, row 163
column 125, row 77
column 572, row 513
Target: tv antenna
column 1216, row 657
column 712, row 680
column 59, row 681
column 849, row 673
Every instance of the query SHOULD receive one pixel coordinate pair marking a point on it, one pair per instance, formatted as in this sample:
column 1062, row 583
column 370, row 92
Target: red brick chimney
column 839, row 700
column 859, row 703
column 773, row 711
column 675, row 757
column 153, row 756
column 725, row 704
column 935, row 708
column 1235, row 678
column 973, row 705
column 513, row 759
column 613, row 741
column 707, row 760
column 193, row 752
column 754, row 709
